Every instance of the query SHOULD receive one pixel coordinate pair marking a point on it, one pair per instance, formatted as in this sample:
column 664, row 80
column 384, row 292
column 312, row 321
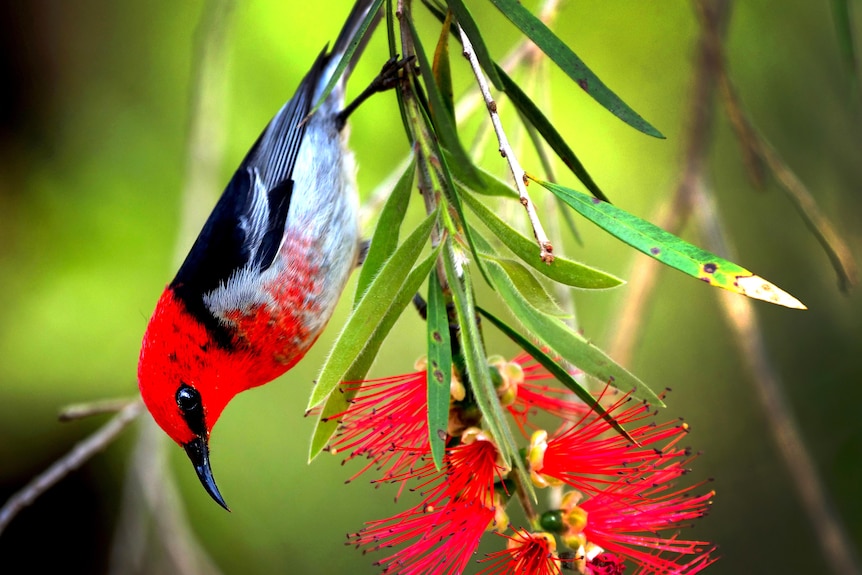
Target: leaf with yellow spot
column 672, row 250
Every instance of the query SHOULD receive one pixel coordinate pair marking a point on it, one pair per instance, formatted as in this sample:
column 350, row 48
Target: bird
column 264, row 275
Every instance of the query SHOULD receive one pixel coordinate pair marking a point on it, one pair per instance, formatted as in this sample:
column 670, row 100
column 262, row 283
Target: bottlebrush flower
column 459, row 504
column 385, row 423
column 525, row 552
column 626, row 521
column 626, row 496
column 527, row 396
column 441, row 540
column 589, row 454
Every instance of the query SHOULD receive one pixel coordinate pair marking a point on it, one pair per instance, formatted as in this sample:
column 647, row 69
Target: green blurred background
column 93, row 130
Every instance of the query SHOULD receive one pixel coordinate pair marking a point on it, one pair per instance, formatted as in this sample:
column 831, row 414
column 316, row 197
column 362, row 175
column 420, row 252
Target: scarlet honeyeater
column 264, row 275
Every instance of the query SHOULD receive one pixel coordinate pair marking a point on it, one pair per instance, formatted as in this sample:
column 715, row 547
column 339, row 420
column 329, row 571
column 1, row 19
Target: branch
column 518, row 175
column 79, row 455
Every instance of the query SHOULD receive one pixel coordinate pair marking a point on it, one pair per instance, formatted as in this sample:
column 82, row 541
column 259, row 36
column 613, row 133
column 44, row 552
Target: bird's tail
column 352, row 32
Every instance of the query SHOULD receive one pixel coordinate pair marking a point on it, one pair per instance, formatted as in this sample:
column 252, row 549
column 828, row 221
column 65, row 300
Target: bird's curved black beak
column 199, row 453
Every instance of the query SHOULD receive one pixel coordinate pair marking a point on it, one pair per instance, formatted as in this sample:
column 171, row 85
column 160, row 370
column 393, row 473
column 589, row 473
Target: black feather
column 224, row 245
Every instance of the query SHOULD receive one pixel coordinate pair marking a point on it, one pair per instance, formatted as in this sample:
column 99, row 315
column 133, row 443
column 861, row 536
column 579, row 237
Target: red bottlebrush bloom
column 531, row 397
column 589, row 453
column 469, row 473
column 626, row 520
column 441, row 540
column 525, row 552
column 459, row 505
column 385, row 423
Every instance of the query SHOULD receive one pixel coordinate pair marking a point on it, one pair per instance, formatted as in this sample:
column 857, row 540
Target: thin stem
column 518, row 175
column 79, row 455
column 83, row 410
column 748, row 336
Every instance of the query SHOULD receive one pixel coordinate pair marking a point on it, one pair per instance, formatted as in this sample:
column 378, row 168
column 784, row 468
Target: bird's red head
column 185, row 381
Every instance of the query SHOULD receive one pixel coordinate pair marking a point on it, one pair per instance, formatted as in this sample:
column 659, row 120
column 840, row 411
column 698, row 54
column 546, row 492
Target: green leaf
column 439, row 369
column 376, row 300
column 534, row 115
column 524, row 281
column 442, row 69
column 434, row 169
column 529, row 287
column 672, row 250
column 338, row 403
column 444, row 124
column 488, row 184
column 565, row 271
column 468, row 25
column 572, row 65
column 569, row 344
column 556, row 370
column 842, row 15
column 477, row 367
column 385, row 238
column 348, row 54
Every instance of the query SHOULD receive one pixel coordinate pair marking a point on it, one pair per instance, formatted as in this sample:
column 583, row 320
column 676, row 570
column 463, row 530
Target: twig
column 691, row 197
column 79, row 454
column 759, row 151
column 518, row 175
column 82, row 410
column 739, row 313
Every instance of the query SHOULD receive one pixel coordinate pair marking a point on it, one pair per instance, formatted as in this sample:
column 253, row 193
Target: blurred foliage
column 92, row 158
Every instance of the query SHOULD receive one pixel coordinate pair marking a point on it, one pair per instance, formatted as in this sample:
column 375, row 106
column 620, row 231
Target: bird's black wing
column 246, row 226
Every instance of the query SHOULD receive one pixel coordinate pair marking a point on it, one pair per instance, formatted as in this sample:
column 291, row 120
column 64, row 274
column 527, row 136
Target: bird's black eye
column 188, row 399
column 189, row 402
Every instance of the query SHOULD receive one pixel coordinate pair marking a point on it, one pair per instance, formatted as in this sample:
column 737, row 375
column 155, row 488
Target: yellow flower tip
column 519, row 540
column 500, row 523
column 575, row 541
column 575, row 520
column 457, row 389
column 508, row 394
column 571, row 499
column 421, row 363
column 472, row 434
column 536, row 451
column 513, row 372
column 539, row 480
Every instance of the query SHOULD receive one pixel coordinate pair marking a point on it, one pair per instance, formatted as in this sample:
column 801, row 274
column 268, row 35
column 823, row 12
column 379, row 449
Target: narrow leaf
column 529, row 287
column 672, row 250
column 439, row 369
column 565, row 271
column 385, row 238
column 569, row 344
column 338, row 402
column 477, row 367
column 442, row 69
column 489, row 185
column 534, row 115
column 522, row 278
column 842, row 15
column 556, row 370
column 572, row 65
column 465, row 20
column 376, row 300
column 444, row 124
